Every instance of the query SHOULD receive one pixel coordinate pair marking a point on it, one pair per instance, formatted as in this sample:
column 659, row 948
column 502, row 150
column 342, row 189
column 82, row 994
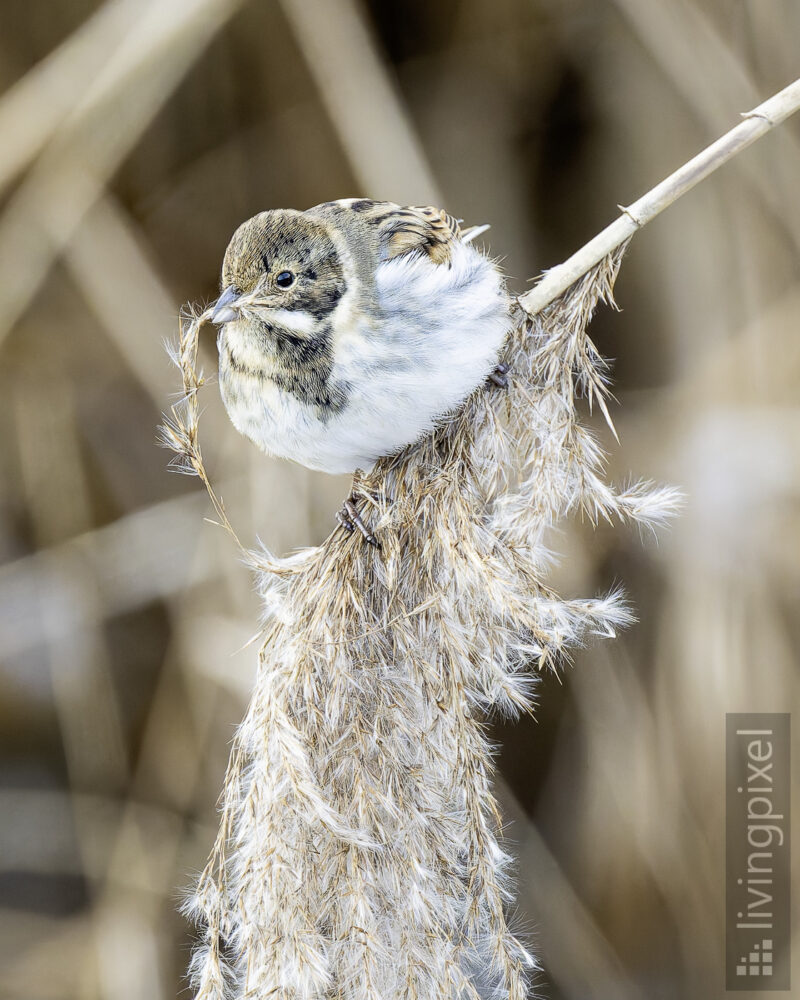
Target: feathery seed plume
column 359, row 853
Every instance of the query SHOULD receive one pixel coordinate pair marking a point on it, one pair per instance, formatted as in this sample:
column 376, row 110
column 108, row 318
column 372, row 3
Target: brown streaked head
column 288, row 260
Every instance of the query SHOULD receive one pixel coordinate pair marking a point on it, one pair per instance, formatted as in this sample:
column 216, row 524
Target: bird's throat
column 275, row 355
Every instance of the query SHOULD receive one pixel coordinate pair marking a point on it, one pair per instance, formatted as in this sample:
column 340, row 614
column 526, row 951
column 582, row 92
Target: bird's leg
column 499, row 376
column 349, row 518
column 343, row 519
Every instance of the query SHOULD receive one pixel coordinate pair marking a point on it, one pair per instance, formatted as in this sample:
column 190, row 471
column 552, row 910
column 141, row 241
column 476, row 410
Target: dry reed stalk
column 358, row 853
column 756, row 123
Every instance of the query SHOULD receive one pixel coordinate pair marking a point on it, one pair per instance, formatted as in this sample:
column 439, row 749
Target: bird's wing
column 405, row 229
column 419, row 230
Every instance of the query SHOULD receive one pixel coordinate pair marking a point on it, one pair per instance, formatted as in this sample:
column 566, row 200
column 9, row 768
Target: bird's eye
column 284, row 279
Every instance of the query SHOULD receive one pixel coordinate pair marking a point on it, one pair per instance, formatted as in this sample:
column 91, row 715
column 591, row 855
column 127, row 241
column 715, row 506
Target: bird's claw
column 349, row 519
column 499, row 376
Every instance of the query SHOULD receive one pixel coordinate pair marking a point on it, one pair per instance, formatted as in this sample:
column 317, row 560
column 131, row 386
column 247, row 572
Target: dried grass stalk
column 756, row 124
column 358, row 855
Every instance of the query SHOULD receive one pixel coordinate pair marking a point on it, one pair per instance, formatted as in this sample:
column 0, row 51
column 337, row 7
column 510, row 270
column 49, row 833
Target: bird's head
column 283, row 274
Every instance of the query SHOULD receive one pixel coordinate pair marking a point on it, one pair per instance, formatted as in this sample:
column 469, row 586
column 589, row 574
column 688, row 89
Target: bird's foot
column 349, row 519
column 348, row 516
column 499, row 377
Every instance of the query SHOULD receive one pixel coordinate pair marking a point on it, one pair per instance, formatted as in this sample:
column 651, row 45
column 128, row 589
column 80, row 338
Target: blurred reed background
column 136, row 135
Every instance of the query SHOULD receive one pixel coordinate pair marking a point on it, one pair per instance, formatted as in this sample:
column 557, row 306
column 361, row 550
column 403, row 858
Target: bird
column 349, row 330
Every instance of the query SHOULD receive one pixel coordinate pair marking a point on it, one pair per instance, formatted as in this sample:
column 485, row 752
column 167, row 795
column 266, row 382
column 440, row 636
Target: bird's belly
column 376, row 421
column 284, row 426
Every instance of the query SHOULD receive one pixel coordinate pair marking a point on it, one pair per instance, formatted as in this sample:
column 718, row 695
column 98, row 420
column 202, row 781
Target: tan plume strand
column 358, row 853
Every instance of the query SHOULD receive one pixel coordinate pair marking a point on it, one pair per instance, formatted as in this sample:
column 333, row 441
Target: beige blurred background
column 135, row 135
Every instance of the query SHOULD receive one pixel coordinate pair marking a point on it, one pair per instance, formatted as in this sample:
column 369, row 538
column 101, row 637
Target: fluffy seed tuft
column 358, row 856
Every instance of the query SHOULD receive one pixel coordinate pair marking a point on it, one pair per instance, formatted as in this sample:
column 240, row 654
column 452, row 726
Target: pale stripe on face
column 296, row 321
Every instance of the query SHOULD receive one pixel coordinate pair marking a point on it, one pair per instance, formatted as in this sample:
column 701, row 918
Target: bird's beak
column 225, row 307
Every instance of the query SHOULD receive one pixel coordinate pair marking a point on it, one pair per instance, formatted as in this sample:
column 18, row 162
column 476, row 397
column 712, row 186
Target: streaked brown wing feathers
column 421, row 230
